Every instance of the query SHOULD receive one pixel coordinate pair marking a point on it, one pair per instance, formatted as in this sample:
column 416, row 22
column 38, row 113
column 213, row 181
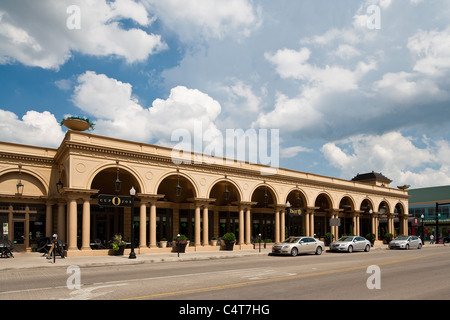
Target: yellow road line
column 240, row 284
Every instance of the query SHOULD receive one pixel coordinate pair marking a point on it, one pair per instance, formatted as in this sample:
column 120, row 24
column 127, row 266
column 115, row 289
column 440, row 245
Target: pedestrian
column 431, row 239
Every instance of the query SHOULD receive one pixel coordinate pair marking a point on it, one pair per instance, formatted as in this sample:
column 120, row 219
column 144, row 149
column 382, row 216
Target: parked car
column 350, row 244
column 446, row 240
column 405, row 242
column 299, row 245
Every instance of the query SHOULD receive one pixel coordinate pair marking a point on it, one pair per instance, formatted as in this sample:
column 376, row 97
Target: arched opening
column 108, row 221
column 263, row 219
column 226, row 209
column 346, row 215
column 322, row 214
column 175, row 213
column 23, row 214
column 366, row 218
column 294, row 217
column 383, row 210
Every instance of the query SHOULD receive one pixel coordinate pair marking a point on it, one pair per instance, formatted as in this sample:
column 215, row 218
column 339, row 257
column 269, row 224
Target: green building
column 422, row 206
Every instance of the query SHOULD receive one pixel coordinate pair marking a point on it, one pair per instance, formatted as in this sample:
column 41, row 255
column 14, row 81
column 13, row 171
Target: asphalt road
column 399, row 275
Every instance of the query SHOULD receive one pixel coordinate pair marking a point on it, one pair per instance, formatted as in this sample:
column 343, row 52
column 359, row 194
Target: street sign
column 335, row 222
column 105, row 200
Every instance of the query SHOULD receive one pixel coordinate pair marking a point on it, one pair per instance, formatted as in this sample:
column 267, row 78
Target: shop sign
column 293, row 212
column 105, row 200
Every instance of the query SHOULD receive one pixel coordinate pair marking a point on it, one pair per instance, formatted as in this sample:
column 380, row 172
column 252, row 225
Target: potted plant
column 229, row 239
column 181, row 243
column 388, row 237
column 118, row 245
column 371, row 238
column 163, row 242
column 328, row 238
column 77, row 123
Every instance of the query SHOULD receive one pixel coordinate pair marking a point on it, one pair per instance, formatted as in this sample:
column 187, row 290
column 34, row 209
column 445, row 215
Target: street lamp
column 132, row 194
column 19, row 185
column 422, row 234
column 117, row 183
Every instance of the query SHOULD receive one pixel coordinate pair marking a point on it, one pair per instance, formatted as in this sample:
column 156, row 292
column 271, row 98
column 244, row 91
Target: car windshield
column 291, row 240
column 402, row 238
column 346, row 239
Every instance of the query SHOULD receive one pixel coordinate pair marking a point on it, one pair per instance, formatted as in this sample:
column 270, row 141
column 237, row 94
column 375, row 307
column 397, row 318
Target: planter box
column 76, row 124
column 163, row 244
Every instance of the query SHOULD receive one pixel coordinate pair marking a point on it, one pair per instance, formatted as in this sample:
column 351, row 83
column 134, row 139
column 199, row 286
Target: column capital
column 75, row 194
column 202, row 201
column 149, row 198
column 245, row 204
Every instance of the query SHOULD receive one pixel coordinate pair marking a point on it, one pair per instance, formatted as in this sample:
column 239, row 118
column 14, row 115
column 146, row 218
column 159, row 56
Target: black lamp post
column 132, row 194
column 20, row 185
column 422, row 233
column 117, row 183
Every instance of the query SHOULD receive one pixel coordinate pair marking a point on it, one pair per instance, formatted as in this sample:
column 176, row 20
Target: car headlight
column 285, row 247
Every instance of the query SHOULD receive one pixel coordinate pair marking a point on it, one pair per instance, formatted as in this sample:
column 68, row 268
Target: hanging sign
column 105, row 200
column 294, row 212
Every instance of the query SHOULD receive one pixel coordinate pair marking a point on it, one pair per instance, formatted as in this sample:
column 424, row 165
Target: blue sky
column 352, row 86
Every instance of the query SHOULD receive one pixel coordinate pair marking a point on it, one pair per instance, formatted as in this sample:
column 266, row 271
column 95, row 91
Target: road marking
column 283, row 278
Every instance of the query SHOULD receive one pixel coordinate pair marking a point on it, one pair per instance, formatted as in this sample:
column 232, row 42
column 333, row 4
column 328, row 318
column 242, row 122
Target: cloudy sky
column 350, row 86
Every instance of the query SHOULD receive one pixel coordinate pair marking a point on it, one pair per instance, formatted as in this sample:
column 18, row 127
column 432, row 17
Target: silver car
column 405, row 242
column 350, row 244
column 299, row 245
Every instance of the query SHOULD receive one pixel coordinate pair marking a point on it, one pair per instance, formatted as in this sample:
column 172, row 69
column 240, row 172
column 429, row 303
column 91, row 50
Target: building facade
column 45, row 191
column 422, row 211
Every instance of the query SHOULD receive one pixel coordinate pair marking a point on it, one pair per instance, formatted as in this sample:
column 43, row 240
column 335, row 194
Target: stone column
column 277, row 226
column 242, row 226
column 197, row 225
column 248, row 224
column 311, row 224
column 72, row 224
column 86, row 234
column 142, row 225
column 205, row 226
column 152, row 224
column 306, row 222
column 283, row 225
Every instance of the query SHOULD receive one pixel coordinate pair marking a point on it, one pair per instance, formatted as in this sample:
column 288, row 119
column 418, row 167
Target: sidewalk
column 24, row 260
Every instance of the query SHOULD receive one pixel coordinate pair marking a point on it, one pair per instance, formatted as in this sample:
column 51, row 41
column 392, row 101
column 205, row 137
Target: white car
column 299, row 245
column 350, row 244
column 405, row 242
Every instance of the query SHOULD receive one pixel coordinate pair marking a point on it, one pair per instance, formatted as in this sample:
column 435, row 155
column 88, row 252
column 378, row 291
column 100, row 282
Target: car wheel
column 407, row 247
column 419, row 246
column 367, row 249
column 319, row 251
column 350, row 249
column 294, row 252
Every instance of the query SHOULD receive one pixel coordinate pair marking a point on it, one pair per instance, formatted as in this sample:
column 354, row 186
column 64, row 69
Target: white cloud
column 120, row 114
column 35, row 33
column 291, row 152
column 207, row 18
column 432, row 50
column 35, row 128
column 396, row 156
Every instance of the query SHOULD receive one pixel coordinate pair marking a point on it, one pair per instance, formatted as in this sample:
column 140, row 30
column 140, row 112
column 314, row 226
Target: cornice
column 73, row 146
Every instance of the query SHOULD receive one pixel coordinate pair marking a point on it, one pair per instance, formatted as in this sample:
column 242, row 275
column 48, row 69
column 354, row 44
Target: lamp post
column 259, row 242
column 19, row 185
column 422, row 233
column 178, row 244
column 132, row 194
